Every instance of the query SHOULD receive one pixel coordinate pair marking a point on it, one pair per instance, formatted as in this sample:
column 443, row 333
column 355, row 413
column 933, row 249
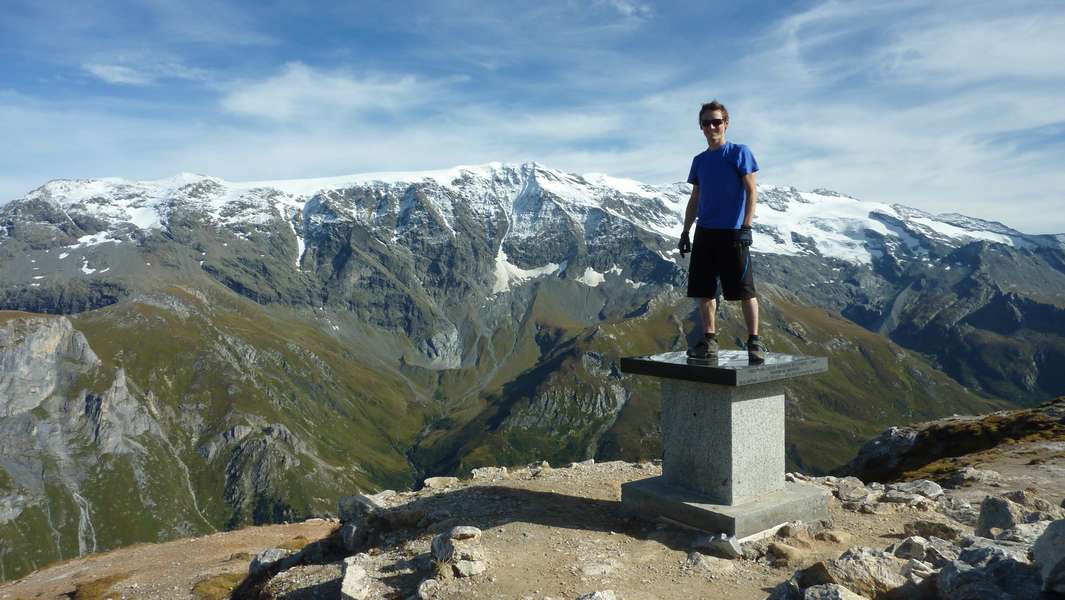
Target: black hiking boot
column 755, row 350
column 705, row 348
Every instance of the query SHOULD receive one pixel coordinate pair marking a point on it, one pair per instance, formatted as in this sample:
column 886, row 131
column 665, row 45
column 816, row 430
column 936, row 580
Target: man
column 723, row 197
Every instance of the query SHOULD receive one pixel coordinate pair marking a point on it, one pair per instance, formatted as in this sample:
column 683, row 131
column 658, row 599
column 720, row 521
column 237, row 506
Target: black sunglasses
column 715, row 122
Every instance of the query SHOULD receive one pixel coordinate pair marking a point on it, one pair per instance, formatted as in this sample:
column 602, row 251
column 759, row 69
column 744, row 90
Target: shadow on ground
column 484, row 507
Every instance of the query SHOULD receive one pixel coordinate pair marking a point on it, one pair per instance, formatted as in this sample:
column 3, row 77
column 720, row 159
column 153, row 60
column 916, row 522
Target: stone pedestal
column 723, row 444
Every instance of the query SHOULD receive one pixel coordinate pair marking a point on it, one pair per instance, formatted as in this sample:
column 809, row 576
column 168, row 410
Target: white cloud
column 143, row 72
column 302, row 92
column 119, row 74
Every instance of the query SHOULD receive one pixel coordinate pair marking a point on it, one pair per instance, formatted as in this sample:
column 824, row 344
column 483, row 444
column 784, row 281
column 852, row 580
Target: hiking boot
column 755, row 350
column 706, row 348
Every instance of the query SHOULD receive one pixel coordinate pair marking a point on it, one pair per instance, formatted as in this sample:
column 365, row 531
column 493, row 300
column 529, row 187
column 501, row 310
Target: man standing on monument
column 723, row 198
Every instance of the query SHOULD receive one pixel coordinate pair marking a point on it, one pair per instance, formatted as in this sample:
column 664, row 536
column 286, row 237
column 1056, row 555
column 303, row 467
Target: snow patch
column 591, row 277
column 509, row 274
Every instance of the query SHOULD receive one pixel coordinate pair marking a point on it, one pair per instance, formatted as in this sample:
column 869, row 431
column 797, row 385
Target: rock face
column 39, row 356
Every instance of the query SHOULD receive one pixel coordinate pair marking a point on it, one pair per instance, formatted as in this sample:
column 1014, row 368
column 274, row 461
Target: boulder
column 708, row 565
column 999, row 513
column 353, row 536
column 830, row 591
column 972, row 475
column 1048, row 557
column 355, row 508
column 461, row 548
column 439, row 483
column 266, row 559
column 926, row 528
column 603, row 595
column 958, row 509
column 851, row 489
column 985, row 570
column 899, row 497
column 718, row 545
column 469, row 568
column 976, row 546
column 864, row 570
column 1032, row 502
column 939, row 552
column 428, row 589
column 790, row 554
column 914, row 546
column 924, row 487
column 490, row 473
column 355, row 582
column 1025, row 533
column 787, row 590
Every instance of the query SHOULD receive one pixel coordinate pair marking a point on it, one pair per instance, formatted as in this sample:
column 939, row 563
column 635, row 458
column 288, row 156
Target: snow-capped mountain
column 792, row 222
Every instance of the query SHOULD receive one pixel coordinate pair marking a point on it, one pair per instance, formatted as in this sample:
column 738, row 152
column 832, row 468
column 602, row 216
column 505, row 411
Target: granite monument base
column 654, row 497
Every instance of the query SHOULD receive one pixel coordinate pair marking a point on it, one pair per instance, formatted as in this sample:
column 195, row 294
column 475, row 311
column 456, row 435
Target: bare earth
column 168, row 570
column 548, row 533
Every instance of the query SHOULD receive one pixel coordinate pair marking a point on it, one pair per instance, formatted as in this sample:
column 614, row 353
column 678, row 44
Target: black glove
column 685, row 244
column 743, row 237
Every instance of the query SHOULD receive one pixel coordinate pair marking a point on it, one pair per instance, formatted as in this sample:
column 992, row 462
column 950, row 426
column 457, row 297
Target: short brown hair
column 712, row 106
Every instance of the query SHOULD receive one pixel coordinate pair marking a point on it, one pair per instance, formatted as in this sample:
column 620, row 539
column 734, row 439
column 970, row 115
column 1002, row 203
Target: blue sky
column 944, row 106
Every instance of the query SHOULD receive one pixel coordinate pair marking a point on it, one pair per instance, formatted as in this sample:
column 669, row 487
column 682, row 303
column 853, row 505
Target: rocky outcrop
column 39, row 356
column 901, row 449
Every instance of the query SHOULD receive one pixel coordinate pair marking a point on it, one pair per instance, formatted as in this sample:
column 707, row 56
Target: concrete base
column 651, row 498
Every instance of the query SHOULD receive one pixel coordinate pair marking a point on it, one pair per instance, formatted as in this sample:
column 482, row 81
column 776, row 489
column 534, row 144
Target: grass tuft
column 217, row 587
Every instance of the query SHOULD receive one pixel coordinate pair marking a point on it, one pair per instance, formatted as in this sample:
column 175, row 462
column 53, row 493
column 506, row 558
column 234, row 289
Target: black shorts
column 714, row 255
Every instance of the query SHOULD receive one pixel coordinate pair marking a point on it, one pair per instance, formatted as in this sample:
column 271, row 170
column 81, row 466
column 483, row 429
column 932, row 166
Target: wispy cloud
column 143, row 74
column 302, row 92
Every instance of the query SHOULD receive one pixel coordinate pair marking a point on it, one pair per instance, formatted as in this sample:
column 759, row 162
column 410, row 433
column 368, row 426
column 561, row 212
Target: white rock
column 489, row 473
column 603, row 595
column 830, row 591
column 439, row 483
column 356, row 583
column 427, row 589
column 924, row 487
column 469, row 568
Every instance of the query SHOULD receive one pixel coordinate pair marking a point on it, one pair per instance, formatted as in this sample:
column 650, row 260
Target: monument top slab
column 729, row 367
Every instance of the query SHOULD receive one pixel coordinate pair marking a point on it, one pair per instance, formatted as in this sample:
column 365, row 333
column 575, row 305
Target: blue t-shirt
column 719, row 175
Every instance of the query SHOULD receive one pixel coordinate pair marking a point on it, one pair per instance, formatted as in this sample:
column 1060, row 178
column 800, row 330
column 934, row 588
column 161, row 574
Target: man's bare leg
column 750, row 315
column 707, row 308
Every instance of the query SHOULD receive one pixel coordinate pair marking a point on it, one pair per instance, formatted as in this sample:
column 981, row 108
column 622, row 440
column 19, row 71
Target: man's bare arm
column 752, row 198
column 693, row 208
